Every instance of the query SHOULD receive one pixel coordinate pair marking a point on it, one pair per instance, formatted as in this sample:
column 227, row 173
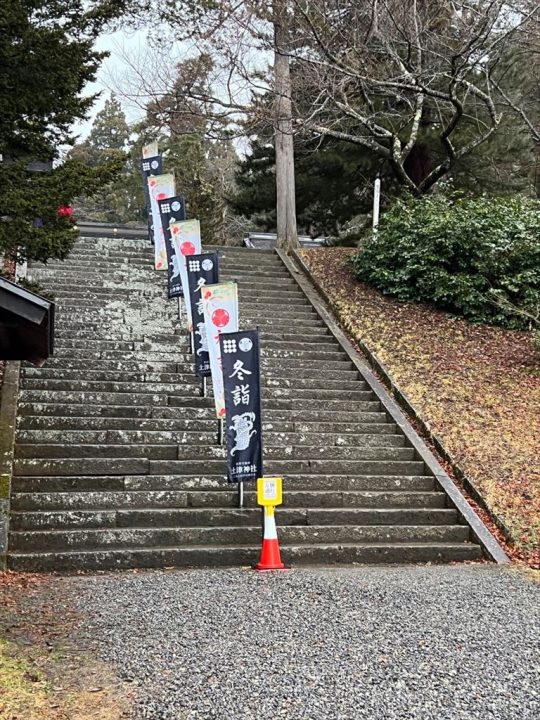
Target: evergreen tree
column 334, row 184
column 122, row 199
column 46, row 59
column 203, row 168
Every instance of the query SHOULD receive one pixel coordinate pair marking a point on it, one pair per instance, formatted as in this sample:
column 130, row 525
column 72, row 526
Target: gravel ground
column 451, row 643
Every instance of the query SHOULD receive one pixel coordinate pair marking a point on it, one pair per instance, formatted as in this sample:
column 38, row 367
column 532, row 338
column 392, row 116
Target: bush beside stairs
column 117, row 464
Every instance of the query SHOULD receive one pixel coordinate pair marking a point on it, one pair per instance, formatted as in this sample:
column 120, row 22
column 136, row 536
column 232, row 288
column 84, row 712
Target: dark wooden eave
column 26, row 324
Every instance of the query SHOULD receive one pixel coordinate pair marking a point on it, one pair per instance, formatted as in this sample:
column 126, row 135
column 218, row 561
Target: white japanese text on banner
column 150, row 166
column 202, row 270
column 159, row 187
column 242, row 389
column 186, row 238
column 172, row 210
column 220, row 307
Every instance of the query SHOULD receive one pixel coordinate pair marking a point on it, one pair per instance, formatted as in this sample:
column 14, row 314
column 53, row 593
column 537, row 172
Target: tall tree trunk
column 287, row 235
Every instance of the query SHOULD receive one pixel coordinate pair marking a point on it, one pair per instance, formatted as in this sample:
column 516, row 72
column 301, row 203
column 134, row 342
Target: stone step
column 111, row 263
column 206, row 424
column 63, row 540
column 329, row 403
column 64, row 292
column 173, row 451
column 336, row 499
column 292, row 368
column 276, row 300
column 144, row 249
column 99, row 465
column 117, row 463
column 126, row 276
column 84, row 483
column 180, row 339
column 82, row 268
column 179, row 346
column 190, row 437
column 141, row 366
column 275, row 415
column 336, row 379
column 50, row 390
column 142, row 394
column 177, row 336
column 250, row 314
column 228, row 517
column 303, row 324
column 200, row 556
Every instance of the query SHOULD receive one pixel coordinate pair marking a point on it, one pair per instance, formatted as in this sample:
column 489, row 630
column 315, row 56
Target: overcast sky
column 118, row 44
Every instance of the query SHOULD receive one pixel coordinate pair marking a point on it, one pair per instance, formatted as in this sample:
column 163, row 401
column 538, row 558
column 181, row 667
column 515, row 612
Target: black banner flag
column 201, row 270
column 242, row 382
column 172, row 209
column 150, row 166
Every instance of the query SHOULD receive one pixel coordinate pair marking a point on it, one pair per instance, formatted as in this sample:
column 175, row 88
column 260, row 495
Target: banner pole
column 240, row 494
column 220, row 432
column 203, row 386
column 180, row 308
column 191, row 343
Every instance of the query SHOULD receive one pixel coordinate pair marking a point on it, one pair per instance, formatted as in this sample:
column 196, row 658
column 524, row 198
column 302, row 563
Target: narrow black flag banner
column 150, row 166
column 172, row 209
column 243, row 421
column 201, row 270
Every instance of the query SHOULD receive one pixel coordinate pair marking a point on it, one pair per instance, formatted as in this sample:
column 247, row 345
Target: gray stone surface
column 441, row 643
column 112, row 432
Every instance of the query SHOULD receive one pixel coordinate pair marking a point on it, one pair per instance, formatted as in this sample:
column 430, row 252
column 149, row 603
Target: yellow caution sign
column 269, row 491
column 269, row 494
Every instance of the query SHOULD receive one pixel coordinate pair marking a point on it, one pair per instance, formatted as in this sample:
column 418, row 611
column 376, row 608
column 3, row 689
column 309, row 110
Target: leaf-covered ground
column 477, row 388
column 43, row 675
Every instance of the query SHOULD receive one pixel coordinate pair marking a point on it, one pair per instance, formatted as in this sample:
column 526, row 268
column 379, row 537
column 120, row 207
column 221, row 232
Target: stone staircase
column 116, row 458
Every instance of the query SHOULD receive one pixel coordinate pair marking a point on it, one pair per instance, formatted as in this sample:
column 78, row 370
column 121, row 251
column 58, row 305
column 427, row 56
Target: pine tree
column 46, row 59
column 122, row 199
column 334, row 183
column 202, row 167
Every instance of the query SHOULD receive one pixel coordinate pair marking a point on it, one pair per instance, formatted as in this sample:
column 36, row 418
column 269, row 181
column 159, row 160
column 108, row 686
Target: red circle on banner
column 207, row 294
column 220, row 317
column 175, row 230
column 222, row 412
column 187, row 248
column 152, row 183
column 161, row 196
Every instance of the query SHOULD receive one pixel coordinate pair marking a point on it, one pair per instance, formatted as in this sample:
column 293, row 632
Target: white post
column 20, row 270
column 376, row 204
column 240, row 494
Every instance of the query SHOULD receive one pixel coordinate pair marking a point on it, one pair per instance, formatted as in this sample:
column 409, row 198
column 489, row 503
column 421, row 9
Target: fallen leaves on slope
column 43, row 675
column 477, row 387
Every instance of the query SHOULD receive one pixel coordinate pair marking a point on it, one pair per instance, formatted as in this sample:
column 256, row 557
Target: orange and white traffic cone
column 270, row 555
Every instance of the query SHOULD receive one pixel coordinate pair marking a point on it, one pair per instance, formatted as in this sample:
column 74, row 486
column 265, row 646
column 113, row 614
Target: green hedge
column 474, row 257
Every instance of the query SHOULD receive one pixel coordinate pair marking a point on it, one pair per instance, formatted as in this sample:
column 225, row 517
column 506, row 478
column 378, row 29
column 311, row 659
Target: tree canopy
column 47, row 57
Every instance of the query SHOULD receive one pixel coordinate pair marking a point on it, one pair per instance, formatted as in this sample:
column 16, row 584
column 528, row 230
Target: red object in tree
column 220, row 317
column 65, row 211
column 187, row 248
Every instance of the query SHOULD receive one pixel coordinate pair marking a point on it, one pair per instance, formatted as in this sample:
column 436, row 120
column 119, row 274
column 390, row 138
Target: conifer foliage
column 46, row 59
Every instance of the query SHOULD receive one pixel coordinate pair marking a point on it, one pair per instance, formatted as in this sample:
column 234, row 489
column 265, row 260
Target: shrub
column 474, row 257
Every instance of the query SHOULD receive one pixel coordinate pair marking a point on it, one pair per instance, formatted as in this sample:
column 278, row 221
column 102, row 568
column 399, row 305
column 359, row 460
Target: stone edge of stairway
column 9, row 393
column 319, row 300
